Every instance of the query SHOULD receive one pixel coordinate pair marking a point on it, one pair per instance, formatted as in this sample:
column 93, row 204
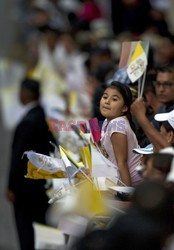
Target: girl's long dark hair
column 127, row 97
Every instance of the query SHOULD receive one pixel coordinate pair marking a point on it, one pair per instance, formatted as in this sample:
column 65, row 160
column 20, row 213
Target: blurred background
column 72, row 47
column 7, row 33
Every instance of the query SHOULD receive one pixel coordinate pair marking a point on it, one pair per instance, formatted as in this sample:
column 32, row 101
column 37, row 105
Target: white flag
column 45, row 162
column 102, row 167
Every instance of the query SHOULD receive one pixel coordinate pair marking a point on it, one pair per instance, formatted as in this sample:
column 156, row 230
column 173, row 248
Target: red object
column 89, row 11
column 95, row 129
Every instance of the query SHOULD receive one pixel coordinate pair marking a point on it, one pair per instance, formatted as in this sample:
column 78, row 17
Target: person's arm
column 120, row 147
column 139, row 111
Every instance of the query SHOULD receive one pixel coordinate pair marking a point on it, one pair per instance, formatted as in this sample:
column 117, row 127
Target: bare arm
column 119, row 143
column 10, row 196
column 138, row 109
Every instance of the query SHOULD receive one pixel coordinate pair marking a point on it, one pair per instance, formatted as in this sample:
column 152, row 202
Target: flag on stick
column 102, row 167
column 95, row 129
column 44, row 167
column 45, row 162
column 77, row 164
column 85, row 154
column 133, row 62
column 138, row 63
column 70, row 168
column 81, row 169
column 34, row 172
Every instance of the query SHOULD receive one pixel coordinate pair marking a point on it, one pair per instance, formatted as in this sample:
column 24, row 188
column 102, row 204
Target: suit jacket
column 30, row 134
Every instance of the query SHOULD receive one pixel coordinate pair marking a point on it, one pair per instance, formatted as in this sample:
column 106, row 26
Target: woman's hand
column 11, row 196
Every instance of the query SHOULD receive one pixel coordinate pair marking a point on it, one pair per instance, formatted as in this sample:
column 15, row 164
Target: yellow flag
column 34, row 172
column 91, row 200
column 138, row 51
column 77, row 164
column 85, row 154
column 72, row 98
column 137, row 63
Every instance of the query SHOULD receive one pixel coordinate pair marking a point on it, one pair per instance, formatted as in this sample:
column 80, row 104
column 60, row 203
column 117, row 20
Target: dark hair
column 167, row 126
column 169, row 68
column 149, row 87
column 103, row 71
column 160, row 161
column 126, row 93
column 32, row 85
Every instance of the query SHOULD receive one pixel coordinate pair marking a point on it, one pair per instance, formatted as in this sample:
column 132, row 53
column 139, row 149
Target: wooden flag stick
column 143, row 82
column 87, row 177
column 139, row 87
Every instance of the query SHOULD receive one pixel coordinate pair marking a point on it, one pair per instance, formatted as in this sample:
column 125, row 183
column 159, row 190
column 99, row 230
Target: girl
column 117, row 137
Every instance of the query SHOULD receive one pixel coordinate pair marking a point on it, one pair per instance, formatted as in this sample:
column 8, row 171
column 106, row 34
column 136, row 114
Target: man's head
column 166, row 125
column 157, row 166
column 164, row 84
column 29, row 91
column 151, row 99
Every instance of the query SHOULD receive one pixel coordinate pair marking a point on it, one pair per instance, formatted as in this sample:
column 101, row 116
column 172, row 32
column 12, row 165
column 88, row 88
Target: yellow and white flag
column 74, row 162
column 44, row 167
column 73, row 168
column 45, row 162
column 34, row 172
column 137, row 64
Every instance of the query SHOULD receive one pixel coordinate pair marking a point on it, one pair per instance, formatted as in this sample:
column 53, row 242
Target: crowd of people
column 71, row 54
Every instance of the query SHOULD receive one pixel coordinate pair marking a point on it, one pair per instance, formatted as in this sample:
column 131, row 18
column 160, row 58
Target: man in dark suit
column 28, row 196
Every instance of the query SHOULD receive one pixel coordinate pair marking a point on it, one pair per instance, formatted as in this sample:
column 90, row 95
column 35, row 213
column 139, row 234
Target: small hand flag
column 95, row 129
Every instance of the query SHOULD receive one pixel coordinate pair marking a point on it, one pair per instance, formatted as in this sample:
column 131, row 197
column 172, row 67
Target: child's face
column 112, row 104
